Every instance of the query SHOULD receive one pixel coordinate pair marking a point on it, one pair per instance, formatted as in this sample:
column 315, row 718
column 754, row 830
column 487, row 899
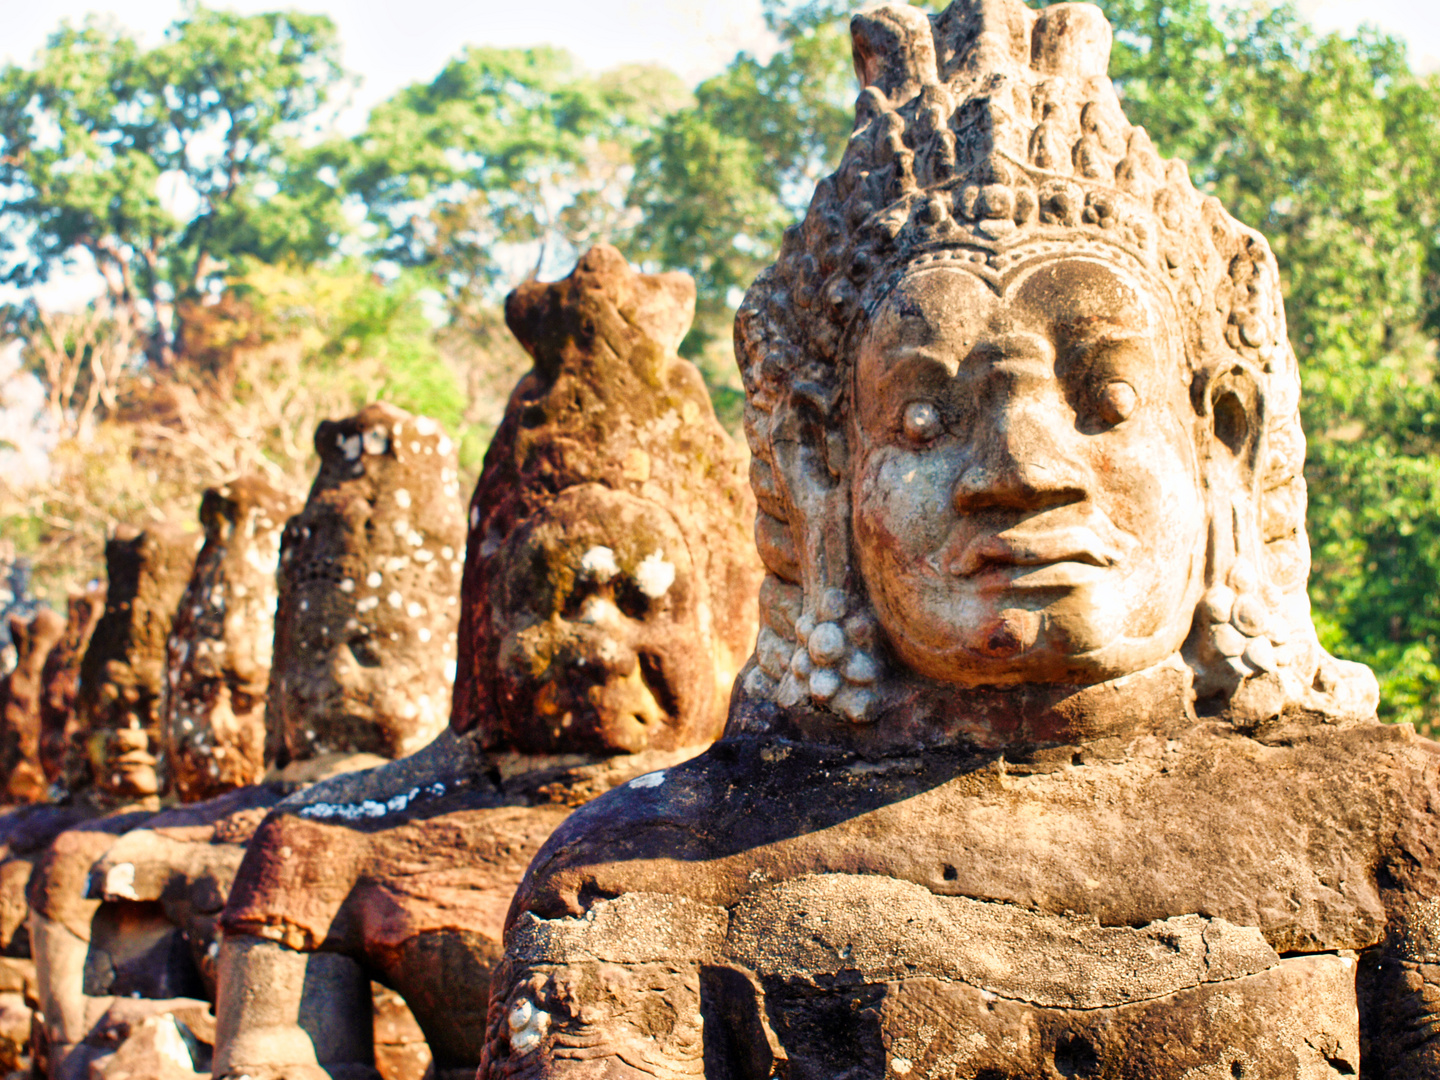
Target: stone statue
column 154, row 890
column 1038, row 767
column 122, row 673
column 21, row 778
column 369, row 575
column 220, row 646
column 60, row 680
column 608, row 603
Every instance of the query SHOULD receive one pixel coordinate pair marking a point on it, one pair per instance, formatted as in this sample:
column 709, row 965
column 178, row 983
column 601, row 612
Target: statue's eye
column 1117, row 401
column 922, row 421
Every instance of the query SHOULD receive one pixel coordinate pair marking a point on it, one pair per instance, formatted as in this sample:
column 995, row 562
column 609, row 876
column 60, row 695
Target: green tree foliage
column 719, row 181
column 505, row 148
column 166, row 165
column 1331, row 147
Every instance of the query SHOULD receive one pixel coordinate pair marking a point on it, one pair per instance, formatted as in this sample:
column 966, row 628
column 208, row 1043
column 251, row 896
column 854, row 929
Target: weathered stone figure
column 122, row 673
column 369, row 575
column 163, row 884
column 60, row 680
column 609, row 600
column 1039, row 769
column 21, row 778
column 220, row 646
column 117, row 777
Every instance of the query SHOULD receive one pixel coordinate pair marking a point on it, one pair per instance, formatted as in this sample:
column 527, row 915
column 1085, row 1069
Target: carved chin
column 969, row 642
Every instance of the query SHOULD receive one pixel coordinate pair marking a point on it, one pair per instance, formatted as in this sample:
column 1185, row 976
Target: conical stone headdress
column 991, row 136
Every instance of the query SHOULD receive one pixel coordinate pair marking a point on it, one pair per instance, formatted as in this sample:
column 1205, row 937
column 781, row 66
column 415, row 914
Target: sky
column 389, row 44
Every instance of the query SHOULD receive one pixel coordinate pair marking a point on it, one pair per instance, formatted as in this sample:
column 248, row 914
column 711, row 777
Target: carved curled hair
column 991, row 136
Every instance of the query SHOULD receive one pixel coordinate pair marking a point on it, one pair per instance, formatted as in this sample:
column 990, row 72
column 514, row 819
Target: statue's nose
column 1017, row 457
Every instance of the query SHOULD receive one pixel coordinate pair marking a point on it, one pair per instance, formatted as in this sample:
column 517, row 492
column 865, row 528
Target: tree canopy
column 166, row 165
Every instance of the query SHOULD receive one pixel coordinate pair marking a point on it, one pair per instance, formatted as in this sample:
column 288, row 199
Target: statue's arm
column 1399, row 979
column 594, row 1019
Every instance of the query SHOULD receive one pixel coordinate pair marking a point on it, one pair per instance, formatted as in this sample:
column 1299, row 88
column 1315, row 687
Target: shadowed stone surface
column 1038, row 769
column 604, row 612
column 220, row 644
column 369, row 575
column 20, row 693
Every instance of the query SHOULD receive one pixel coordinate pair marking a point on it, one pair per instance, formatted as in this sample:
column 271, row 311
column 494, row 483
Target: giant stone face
column 1027, row 497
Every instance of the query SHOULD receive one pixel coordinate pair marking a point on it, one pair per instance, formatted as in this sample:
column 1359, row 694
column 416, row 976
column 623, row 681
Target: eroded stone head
column 60, row 739
column 1021, row 400
column 34, row 637
column 609, row 581
column 122, row 674
column 220, row 643
column 369, row 593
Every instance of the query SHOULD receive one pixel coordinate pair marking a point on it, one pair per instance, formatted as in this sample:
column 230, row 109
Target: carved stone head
column 364, row 652
column 1021, row 400
column 220, row 643
column 609, row 581
column 60, row 730
column 122, row 674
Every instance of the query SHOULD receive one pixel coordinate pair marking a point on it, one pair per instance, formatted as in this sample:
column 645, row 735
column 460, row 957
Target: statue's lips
column 1070, row 555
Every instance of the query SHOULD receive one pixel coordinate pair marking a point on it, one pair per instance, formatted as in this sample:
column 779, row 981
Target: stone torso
column 1166, row 907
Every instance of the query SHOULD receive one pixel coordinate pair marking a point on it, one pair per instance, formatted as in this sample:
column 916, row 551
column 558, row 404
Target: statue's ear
column 1231, row 404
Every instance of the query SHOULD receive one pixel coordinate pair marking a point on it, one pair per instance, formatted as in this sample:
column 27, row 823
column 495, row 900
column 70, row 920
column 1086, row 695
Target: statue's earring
column 1236, row 629
column 828, row 657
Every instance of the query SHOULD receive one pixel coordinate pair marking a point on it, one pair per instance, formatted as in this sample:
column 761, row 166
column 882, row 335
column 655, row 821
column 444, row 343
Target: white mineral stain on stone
column 373, row 579
column 474, row 517
column 367, row 604
column 900, row 1065
column 654, row 575
column 649, row 780
column 599, row 563
column 120, row 881
column 414, row 610
column 377, row 441
column 347, row 585
column 424, row 425
column 450, row 670
column 599, row 611
column 402, row 498
column 447, row 553
column 423, row 634
column 528, row 1026
column 169, row 1043
column 401, row 526
column 445, row 445
column 349, row 446
column 394, row 599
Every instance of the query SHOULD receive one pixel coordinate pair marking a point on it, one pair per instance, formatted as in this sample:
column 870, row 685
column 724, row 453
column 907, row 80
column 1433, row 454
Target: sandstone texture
column 60, row 739
column 20, row 693
column 605, row 607
column 122, row 673
column 369, row 574
column 220, row 644
column 1039, row 768
column 645, row 545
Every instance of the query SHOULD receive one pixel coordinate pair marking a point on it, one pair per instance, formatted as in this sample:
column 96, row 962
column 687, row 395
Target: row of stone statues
column 604, row 591
column 1036, row 769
